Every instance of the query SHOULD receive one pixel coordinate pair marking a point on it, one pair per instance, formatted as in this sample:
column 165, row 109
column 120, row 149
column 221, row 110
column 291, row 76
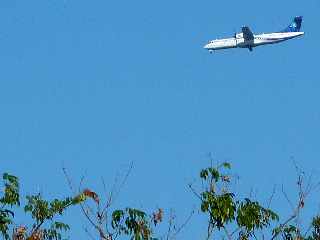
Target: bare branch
column 184, row 224
column 83, row 206
column 69, row 181
column 227, row 233
column 209, row 230
column 88, row 233
column 283, row 225
column 171, row 224
column 124, row 180
column 235, row 231
column 272, row 195
column 194, row 192
column 287, row 198
column 302, row 194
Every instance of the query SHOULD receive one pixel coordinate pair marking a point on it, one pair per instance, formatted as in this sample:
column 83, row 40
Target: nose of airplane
column 206, row 46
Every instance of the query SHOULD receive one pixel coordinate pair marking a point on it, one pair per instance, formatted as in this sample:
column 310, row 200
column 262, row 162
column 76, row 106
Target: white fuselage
column 261, row 39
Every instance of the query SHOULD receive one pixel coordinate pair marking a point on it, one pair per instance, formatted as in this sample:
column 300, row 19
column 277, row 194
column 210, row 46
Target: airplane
column 246, row 39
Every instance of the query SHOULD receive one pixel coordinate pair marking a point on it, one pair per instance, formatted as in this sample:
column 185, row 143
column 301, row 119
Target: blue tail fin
column 294, row 26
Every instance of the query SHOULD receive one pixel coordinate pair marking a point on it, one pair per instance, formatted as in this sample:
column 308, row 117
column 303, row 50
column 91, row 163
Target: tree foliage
column 224, row 208
column 227, row 214
column 42, row 212
column 9, row 199
column 247, row 217
column 132, row 222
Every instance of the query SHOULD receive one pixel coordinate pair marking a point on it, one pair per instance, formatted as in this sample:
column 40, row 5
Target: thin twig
column 300, row 204
column 113, row 190
column 209, row 231
column 272, row 195
column 37, row 228
column 88, row 233
column 68, row 180
column 307, row 231
column 124, row 180
column 171, row 223
column 235, row 231
column 227, row 233
column 284, row 224
column 287, row 198
column 182, row 226
column 194, row 192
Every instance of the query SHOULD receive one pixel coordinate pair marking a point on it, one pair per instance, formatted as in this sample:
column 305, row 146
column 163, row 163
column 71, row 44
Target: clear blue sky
column 97, row 84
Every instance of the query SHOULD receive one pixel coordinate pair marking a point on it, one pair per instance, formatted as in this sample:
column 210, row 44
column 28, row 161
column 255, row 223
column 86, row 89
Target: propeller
column 235, row 36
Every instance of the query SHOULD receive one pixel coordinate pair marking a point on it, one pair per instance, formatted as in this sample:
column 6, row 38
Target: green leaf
column 11, row 191
column 204, row 174
column 214, row 173
column 252, row 216
column 226, row 165
column 132, row 222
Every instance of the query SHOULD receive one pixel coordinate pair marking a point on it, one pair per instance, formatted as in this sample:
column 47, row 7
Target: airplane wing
column 247, row 34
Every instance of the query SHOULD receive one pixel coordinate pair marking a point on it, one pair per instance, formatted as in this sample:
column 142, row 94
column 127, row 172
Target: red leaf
column 88, row 193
